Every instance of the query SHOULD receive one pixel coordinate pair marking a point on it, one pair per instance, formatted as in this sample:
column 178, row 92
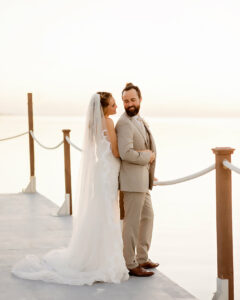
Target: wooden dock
column 28, row 226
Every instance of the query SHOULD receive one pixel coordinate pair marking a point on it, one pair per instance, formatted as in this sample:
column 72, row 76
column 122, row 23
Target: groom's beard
column 132, row 110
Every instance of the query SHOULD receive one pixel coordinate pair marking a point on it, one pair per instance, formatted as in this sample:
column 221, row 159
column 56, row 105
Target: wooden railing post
column 225, row 280
column 67, row 164
column 30, row 127
column 121, row 205
column 31, row 188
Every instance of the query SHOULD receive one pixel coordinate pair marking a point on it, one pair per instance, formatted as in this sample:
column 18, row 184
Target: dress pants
column 137, row 227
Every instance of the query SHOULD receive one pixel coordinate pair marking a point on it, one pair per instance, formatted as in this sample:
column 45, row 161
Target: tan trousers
column 137, row 227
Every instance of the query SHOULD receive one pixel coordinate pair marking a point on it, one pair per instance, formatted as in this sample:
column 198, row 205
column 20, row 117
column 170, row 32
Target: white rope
column 13, row 137
column 230, row 166
column 71, row 143
column 49, row 148
column 182, row 179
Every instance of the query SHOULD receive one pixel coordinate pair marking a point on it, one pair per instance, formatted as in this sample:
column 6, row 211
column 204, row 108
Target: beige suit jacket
column 136, row 174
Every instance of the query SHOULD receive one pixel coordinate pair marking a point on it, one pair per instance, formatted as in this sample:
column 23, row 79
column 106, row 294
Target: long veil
column 94, row 252
column 94, row 142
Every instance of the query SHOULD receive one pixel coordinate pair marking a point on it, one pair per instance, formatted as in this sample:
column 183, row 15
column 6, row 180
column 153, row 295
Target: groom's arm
column 125, row 147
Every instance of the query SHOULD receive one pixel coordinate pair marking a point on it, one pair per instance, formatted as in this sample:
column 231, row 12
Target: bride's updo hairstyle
column 104, row 99
column 130, row 86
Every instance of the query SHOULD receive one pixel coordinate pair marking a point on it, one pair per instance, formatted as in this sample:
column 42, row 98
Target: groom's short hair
column 130, row 86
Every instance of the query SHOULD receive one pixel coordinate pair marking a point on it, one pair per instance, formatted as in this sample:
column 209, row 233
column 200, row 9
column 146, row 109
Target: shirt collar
column 137, row 117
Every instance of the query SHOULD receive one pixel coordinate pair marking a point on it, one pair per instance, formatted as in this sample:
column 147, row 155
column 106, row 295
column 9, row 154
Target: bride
column 94, row 252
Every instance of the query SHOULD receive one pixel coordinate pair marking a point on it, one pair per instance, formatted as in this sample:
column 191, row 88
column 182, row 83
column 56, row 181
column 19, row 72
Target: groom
column 137, row 151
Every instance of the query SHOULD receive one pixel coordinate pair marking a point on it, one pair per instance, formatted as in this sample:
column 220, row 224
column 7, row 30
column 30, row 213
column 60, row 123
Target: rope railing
column 40, row 144
column 45, row 147
column 186, row 178
column 73, row 145
column 169, row 182
column 230, row 166
column 13, row 137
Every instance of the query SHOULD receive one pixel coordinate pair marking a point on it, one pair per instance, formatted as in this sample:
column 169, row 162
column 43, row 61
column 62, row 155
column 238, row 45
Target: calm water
column 184, row 239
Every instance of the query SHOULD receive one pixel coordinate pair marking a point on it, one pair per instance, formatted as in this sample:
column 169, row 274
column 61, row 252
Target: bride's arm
column 112, row 137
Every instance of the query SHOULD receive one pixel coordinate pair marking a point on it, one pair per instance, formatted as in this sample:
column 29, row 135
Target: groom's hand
column 152, row 158
column 154, row 181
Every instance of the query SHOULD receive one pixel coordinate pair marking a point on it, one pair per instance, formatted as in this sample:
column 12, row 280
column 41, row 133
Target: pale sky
column 183, row 54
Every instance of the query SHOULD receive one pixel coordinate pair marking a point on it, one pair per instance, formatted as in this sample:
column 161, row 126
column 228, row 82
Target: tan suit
column 136, row 178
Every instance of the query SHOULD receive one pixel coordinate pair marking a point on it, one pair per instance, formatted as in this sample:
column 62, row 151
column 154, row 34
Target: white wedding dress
column 94, row 252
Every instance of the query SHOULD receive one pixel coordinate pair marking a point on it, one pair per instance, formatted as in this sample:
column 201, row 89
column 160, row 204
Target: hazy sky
column 183, row 54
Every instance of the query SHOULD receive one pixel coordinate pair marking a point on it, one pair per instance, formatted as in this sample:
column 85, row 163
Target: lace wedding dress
column 94, row 252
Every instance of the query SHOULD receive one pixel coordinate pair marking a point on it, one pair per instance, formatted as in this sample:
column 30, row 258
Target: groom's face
column 131, row 102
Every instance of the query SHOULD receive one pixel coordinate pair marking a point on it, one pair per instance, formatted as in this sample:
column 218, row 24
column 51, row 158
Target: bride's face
column 111, row 109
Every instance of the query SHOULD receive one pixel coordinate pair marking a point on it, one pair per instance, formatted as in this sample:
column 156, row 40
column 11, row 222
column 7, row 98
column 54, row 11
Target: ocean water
column 184, row 237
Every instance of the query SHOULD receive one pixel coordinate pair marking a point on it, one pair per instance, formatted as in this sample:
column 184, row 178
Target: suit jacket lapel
column 139, row 128
column 136, row 123
column 153, row 146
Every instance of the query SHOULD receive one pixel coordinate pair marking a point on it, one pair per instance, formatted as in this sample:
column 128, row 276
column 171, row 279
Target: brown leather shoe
column 140, row 272
column 149, row 265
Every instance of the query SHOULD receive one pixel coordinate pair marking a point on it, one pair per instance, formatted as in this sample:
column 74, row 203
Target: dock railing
column 223, row 166
column 66, row 208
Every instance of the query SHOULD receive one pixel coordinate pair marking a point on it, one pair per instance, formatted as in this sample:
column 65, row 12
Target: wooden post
column 121, row 205
column 224, row 219
column 67, row 164
column 31, row 142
